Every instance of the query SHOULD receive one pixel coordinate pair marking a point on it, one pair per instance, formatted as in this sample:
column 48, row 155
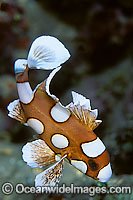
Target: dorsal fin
column 44, row 86
column 81, row 109
column 48, row 81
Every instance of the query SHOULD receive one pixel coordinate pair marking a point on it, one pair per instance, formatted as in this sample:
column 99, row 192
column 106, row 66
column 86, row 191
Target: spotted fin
column 81, row 109
column 38, row 154
column 16, row 111
column 51, row 176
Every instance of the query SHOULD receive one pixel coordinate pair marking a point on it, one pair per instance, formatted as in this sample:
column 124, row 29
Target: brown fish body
column 63, row 131
column 76, row 132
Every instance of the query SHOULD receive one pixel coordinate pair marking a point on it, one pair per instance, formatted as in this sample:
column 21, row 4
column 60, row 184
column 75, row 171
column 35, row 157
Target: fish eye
column 93, row 165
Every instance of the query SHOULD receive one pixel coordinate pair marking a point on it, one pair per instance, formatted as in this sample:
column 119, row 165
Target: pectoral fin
column 16, row 111
column 38, row 154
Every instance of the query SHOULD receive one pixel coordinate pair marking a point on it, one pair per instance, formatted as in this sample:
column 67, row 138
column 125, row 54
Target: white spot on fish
column 80, row 165
column 25, row 92
column 59, row 141
column 94, row 148
column 36, row 125
column 59, row 113
column 105, row 174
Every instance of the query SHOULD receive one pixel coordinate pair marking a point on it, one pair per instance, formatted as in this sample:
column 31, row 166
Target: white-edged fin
column 48, row 81
column 47, row 52
column 94, row 113
column 37, row 154
column 96, row 123
column 80, row 100
column 81, row 108
column 20, row 65
column 16, row 111
column 51, row 176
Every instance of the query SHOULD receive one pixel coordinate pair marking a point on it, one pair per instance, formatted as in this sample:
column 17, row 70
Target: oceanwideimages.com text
column 8, row 188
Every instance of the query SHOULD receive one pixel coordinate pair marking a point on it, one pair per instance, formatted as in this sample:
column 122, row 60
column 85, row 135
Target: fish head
column 97, row 160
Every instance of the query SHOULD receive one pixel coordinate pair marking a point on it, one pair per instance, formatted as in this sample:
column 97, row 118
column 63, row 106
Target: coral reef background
column 98, row 34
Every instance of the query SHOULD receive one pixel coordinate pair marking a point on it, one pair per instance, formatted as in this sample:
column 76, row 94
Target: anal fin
column 51, row 176
column 16, row 111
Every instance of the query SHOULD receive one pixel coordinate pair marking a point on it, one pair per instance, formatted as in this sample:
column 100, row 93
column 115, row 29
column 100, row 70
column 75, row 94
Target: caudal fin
column 47, row 52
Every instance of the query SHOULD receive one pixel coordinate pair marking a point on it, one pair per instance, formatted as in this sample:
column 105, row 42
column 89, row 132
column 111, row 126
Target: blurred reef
column 13, row 26
column 104, row 28
column 98, row 34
